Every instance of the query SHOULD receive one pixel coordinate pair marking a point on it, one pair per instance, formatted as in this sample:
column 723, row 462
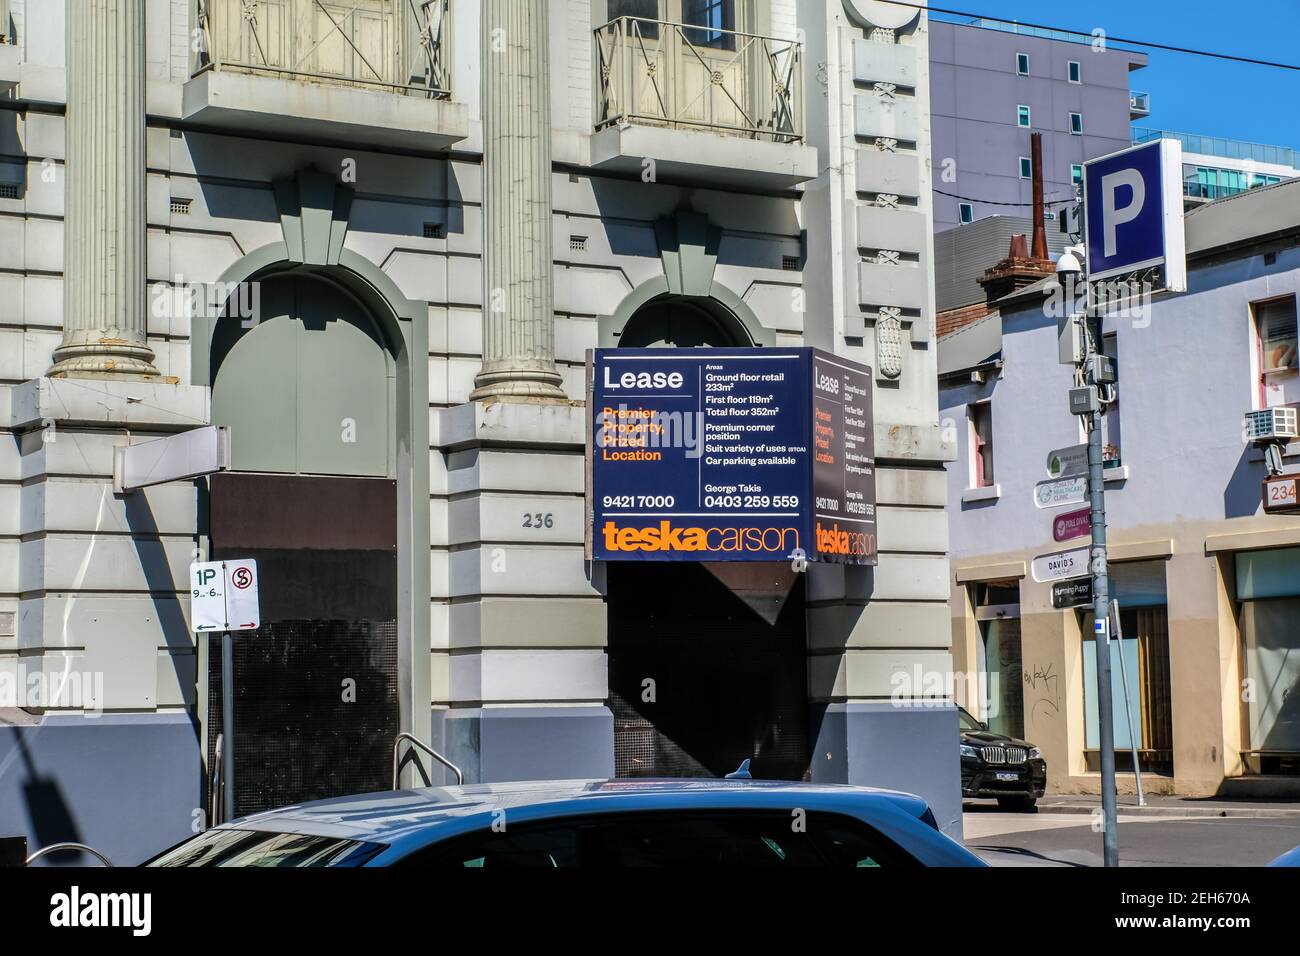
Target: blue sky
column 1189, row 93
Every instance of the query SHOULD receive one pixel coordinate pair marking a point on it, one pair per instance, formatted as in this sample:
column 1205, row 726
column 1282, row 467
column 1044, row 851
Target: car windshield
column 256, row 848
column 967, row 721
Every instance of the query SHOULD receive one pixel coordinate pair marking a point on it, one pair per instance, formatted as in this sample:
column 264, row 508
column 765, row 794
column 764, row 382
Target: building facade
column 376, row 242
column 994, row 83
column 1207, row 583
column 1216, row 168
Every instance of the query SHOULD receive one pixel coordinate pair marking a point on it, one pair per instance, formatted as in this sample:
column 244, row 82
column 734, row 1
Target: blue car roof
column 393, row 817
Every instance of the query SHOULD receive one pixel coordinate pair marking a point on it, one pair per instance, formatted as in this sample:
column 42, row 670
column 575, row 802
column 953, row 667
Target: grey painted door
column 309, row 387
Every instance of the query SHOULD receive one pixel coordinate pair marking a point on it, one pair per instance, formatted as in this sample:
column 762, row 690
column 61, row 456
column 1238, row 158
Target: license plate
column 1008, row 777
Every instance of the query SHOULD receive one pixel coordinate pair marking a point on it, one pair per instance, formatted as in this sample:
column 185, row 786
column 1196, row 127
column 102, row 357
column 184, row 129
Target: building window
column 965, row 212
column 645, row 10
column 710, row 22
column 1075, row 72
column 981, row 444
column 1147, row 726
column 1274, row 331
column 1026, row 168
column 1076, row 174
column 1076, row 124
column 1022, row 64
column 1268, row 587
column 1023, row 116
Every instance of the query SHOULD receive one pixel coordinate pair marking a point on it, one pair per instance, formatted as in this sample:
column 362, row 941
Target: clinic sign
column 730, row 455
column 1133, row 213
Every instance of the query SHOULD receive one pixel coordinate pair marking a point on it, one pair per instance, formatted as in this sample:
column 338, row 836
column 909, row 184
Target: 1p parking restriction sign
column 224, row 596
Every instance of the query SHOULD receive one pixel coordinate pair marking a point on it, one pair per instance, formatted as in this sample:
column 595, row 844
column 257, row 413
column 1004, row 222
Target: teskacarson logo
column 664, row 537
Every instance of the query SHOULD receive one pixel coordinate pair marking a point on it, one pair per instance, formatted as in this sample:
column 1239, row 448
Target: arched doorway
column 683, row 322
column 307, row 386
column 724, row 646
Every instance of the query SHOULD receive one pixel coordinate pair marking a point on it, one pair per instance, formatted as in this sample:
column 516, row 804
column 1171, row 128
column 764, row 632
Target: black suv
column 995, row 765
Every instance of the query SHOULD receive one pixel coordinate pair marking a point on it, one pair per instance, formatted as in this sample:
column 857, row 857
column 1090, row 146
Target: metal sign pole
column 1128, row 703
column 228, row 724
column 1101, row 604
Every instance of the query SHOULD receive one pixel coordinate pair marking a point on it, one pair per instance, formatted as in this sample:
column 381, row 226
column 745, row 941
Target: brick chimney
column 1021, row 267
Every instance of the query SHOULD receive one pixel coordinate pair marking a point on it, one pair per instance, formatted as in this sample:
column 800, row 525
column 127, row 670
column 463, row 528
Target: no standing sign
column 224, row 596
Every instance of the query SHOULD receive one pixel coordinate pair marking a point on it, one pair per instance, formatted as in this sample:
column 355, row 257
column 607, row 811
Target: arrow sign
column 1075, row 524
column 243, row 612
column 1062, row 492
column 207, row 597
column 1061, row 566
column 224, row 596
column 1071, row 594
column 1068, row 462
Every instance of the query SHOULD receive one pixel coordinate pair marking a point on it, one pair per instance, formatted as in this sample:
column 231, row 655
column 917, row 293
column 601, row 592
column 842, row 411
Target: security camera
column 1069, row 264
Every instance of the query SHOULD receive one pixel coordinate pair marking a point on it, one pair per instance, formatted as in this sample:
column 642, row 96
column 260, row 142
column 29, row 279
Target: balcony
column 371, row 71
column 1226, row 148
column 1139, row 105
column 706, row 105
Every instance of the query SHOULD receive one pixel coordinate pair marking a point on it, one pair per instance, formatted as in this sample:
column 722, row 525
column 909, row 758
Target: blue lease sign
column 1133, row 213
column 731, row 455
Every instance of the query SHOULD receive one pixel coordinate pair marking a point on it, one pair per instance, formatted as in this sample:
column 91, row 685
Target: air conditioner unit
column 1273, row 425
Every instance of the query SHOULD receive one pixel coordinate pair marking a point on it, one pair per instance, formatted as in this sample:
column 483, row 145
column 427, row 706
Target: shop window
column 981, row 444
column 1140, row 589
column 1268, row 587
column 1274, row 332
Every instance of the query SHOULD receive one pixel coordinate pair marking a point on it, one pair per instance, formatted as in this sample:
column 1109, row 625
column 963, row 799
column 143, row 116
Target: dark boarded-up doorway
column 725, row 646
column 316, row 687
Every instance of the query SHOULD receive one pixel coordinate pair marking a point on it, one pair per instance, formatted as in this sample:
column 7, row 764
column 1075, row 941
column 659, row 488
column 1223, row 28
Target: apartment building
column 995, row 83
column 1215, row 167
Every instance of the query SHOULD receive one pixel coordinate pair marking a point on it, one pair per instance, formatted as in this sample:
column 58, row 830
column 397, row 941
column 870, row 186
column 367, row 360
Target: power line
column 1144, row 43
column 990, row 202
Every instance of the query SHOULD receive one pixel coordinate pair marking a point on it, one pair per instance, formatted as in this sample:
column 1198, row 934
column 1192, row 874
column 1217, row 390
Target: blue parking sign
column 1133, row 212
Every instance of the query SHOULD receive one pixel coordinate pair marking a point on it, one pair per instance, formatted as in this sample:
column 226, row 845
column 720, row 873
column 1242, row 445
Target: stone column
column 104, row 301
column 518, row 265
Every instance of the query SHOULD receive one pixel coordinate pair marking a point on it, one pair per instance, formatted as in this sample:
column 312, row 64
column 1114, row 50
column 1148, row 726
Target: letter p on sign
column 1116, row 215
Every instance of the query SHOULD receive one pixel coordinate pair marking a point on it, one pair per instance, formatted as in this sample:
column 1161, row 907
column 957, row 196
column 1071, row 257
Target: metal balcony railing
column 654, row 72
column 402, row 46
column 1218, row 146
